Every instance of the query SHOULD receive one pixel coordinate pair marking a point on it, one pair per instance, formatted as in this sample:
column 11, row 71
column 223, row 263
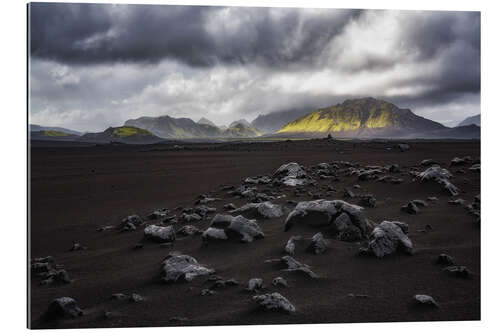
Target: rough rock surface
column 324, row 213
column 290, row 244
column 181, row 267
column 439, row 175
column 265, row 210
column 159, row 233
column 295, row 266
column 255, row 284
column 274, row 301
column 425, row 300
column 291, row 174
column 214, row 234
column 318, row 244
column 63, row 307
column 388, row 237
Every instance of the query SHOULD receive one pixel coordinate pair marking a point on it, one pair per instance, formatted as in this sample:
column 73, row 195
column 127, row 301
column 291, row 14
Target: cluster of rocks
column 49, row 271
column 346, row 221
column 223, row 227
column 451, row 268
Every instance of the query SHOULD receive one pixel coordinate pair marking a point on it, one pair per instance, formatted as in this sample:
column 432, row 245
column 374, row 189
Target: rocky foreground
column 321, row 231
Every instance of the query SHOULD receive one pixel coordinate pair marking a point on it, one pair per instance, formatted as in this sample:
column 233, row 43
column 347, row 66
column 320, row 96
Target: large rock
column 63, row 307
column 274, row 301
column 181, row 267
column 265, row 210
column 324, row 214
column 159, row 233
column 291, row 174
column 387, row 238
column 441, row 176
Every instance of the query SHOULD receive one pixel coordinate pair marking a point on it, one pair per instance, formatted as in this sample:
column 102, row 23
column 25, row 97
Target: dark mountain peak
column 205, row 121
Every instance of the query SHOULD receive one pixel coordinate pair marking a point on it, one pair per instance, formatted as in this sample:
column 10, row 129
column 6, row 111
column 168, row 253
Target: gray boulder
column 291, row 174
column 181, row 267
column 188, row 230
column 131, row 222
column 191, row 217
column 387, row 238
column 63, row 307
column 275, row 302
column 439, row 175
column 235, row 226
column 324, row 213
column 159, row 233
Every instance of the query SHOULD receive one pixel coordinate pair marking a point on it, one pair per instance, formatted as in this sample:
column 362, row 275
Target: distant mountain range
column 271, row 122
column 474, row 120
column 354, row 118
column 38, row 128
column 185, row 128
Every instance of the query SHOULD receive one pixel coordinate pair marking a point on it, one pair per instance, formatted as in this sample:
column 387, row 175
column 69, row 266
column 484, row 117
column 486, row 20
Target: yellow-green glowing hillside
column 363, row 116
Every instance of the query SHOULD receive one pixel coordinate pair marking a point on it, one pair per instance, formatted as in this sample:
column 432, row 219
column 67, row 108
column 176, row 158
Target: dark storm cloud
column 95, row 33
column 97, row 65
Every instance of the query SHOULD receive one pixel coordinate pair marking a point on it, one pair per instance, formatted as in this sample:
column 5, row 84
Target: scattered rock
column 348, row 194
column 265, row 210
column 403, row 147
column 255, row 284
column 274, row 301
column 368, row 200
column 188, row 230
column 387, row 238
column 458, row 271
column 136, row 298
column 158, row 214
column 444, row 259
column 425, row 300
column 458, row 202
column 178, row 267
column 214, row 234
column 131, row 223
column 63, row 307
column 159, row 233
column 290, row 244
column 207, row 292
column 427, row 162
column 229, row 206
column 475, row 168
column 291, row 174
column 280, row 282
column 77, row 247
column 458, row 161
column 318, row 244
column 191, row 217
column 440, row 176
column 295, row 266
column 410, row 208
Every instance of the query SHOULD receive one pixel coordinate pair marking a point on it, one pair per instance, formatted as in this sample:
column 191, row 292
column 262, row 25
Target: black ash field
column 76, row 190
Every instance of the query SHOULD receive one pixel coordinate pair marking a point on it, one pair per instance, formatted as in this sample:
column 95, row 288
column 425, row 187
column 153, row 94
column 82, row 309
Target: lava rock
column 63, row 307
column 275, row 301
column 181, row 267
column 159, row 233
column 387, row 238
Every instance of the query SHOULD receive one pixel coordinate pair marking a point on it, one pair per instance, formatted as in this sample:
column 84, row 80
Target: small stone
column 425, row 300
column 255, row 284
column 279, row 281
column 444, row 259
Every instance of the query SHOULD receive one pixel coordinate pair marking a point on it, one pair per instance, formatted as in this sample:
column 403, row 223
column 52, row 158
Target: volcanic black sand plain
column 76, row 189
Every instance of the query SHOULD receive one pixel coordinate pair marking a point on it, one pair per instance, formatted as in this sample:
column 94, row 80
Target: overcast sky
column 95, row 66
